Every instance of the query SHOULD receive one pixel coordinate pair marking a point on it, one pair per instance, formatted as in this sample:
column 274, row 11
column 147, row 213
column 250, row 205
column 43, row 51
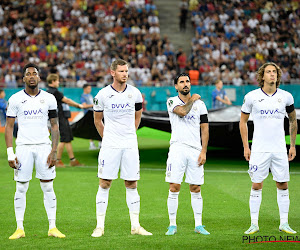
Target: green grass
column 225, row 195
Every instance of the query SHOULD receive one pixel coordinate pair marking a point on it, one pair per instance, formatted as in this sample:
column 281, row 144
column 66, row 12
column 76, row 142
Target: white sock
column 20, row 202
column 101, row 205
column 49, row 202
column 172, row 207
column 254, row 204
column 197, row 205
column 283, row 201
column 133, row 203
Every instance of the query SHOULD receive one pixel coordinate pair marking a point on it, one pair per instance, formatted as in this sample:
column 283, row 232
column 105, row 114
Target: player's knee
column 174, row 187
column 47, row 187
column 105, row 184
column 22, row 187
column 195, row 188
column 282, row 185
column 131, row 184
column 257, row 186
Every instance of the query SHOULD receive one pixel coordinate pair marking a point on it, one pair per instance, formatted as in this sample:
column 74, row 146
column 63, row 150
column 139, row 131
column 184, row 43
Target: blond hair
column 52, row 78
column 261, row 71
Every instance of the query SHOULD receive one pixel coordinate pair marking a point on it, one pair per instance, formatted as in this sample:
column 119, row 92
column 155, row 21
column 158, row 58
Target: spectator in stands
column 219, row 97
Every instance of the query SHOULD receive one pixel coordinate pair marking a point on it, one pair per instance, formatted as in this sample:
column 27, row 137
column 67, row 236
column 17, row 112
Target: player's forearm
column 293, row 128
column 244, row 134
column 8, row 136
column 184, row 109
column 100, row 128
column 54, row 135
column 137, row 123
column 9, row 128
column 204, row 137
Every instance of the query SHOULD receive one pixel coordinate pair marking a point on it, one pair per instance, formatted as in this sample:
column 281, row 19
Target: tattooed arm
column 293, row 134
column 185, row 109
column 54, row 136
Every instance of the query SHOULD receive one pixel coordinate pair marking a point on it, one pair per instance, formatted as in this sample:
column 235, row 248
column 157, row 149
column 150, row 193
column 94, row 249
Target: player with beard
column 120, row 104
column 33, row 107
column 187, row 153
column 268, row 106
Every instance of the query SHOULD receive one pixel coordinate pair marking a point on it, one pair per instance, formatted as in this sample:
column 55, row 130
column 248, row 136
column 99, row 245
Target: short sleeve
column 98, row 102
column 82, row 99
column 289, row 99
column 203, row 109
column 247, row 105
column 139, row 98
column 171, row 104
column 12, row 108
column 52, row 102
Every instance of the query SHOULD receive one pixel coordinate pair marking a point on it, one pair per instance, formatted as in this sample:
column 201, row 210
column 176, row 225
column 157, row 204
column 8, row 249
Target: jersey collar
column 180, row 99
column 267, row 94
column 117, row 90
column 32, row 95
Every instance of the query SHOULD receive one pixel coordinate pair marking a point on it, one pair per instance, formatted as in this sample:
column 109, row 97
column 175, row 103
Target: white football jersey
column 268, row 113
column 186, row 130
column 119, row 115
column 32, row 114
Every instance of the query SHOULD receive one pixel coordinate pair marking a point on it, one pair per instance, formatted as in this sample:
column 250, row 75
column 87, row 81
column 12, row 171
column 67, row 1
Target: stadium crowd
column 79, row 39
column 234, row 38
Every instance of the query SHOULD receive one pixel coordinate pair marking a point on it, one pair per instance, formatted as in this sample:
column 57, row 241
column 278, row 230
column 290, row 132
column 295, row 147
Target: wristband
column 10, row 154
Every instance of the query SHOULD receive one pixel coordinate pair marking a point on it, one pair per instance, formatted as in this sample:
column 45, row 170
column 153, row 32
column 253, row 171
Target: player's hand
column 201, row 158
column 51, row 160
column 14, row 163
column 292, row 153
column 80, row 106
column 247, row 153
column 196, row 97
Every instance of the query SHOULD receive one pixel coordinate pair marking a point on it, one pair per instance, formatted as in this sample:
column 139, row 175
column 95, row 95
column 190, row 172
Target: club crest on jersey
column 279, row 100
column 129, row 95
column 195, row 108
column 42, row 101
column 170, row 102
column 95, row 101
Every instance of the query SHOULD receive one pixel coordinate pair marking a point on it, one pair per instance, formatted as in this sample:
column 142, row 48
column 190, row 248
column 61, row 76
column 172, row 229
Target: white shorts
column 260, row 163
column 183, row 159
column 111, row 160
column 29, row 155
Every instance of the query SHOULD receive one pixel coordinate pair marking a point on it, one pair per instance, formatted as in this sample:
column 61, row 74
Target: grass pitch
column 225, row 195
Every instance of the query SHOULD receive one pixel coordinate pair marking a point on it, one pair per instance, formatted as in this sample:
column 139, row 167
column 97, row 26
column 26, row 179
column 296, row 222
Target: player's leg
column 176, row 166
column 46, row 176
column 22, row 176
column 130, row 172
column 259, row 165
column 108, row 168
column 280, row 172
column 172, row 204
column 195, row 177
